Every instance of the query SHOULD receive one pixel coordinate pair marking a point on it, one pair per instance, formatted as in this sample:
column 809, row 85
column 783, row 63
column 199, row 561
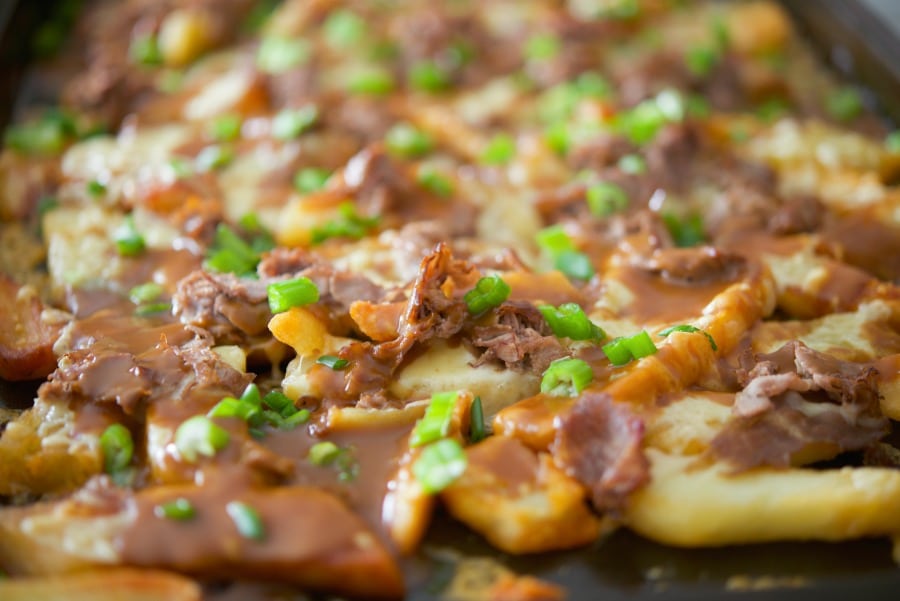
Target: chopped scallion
column 144, row 50
column 690, row 329
column 566, row 377
column 435, row 182
column 427, row 76
column 311, row 179
column 640, row 345
column 95, row 188
column 152, row 309
column 405, row 140
column 213, row 157
column 570, row 321
column 225, row 128
column 439, row 465
column 554, row 240
column 617, row 351
column 349, row 224
column 606, row 198
column 686, row 232
column 145, row 293
column 291, row 293
column 129, row 242
column 633, row 164
column 117, row 447
column 489, row 292
column 574, row 264
column 701, row 60
column 332, row 362
column 435, row 424
column 323, row 453
column 200, row 436
column 476, row 421
column 371, row 81
column 229, row 253
column 541, row 47
column 344, row 29
column 246, row 519
column 892, row 142
column 290, row 123
column 499, row 150
column 278, row 54
column 179, row 509
column 844, row 104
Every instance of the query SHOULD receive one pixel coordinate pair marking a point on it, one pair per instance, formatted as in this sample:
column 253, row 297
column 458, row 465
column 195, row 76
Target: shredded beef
column 693, row 266
column 429, row 312
column 797, row 399
column 284, row 261
column 229, row 307
column 600, row 443
column 519, row 337
column 797, row 215
column 119, row 369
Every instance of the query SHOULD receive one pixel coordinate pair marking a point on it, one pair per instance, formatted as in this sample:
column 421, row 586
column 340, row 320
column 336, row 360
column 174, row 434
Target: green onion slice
column 617, row 351
column 290, row 123
column 690, row 329
column 476, row 421
column 246, row 519
column 489, row 292
column 606, row 198
column 129, row 242
column 200, row 436
column 291, row 293
column 349, row 224
column 439, row 465
column 179, row 509
column 640, row 345
column 406, row 141
column 344, row 29
column 499, row 150
column 566, row 377
column 226, row 128
column 278, row 54
column 844, row 104
column 575, row 265
column 323, row 453
column 554, row 240
column 428, row 77
column 435, row 424
column 145, row 293
column 333, row 362
column 570, row 321
column 371, row 81
column 435, row 182
column 311, row 179
column 118, row 448
column 633, row 164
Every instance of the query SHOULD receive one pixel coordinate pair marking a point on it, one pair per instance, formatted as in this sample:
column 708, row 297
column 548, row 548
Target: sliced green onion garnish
column 570, row 321
column 290, row 123
column 697, row 106
column 435, row 423
column 690, row 329
column 46, row 136
column 95, row 188
column 311, row 179
column 554, row 240
column 117, row 447
column 291, row 293
column 701, row 60
column 542, row 46
column 152, row 309
column 606, row 198
column 574, row 264
column 489, row 292
column 566, row 377
column 344, row 29
column 46, row 204
column 640, row 345
column 145, row 293
column 499, row 150
column 144, row 50
column 230, row 254
column 435, row 182
column 323, row 453
column 277, row 55
column 214, row 157
column 129, row 242
column 892, row 141
column 771, row 109
column 179, row 509
column 200, row 436
column 405, row 140
column 428, row 77
column 226, row 128
column 557, row 138
column 844, row 104
column 348, row 225
column 246, row 519
column 685, row 232
column 280, row 402
column 439, row 465
column 372, row 81
column 332, row 362
column 476, row 421
column 633, row 164
column 239, row 408
column 617, row 351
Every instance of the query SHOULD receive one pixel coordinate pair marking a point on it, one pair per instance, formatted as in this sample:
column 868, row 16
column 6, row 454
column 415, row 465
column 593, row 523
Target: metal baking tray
column 859, row 45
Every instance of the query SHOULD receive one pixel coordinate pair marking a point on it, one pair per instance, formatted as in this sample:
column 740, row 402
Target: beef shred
column 798, row 399
column 600, row 443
